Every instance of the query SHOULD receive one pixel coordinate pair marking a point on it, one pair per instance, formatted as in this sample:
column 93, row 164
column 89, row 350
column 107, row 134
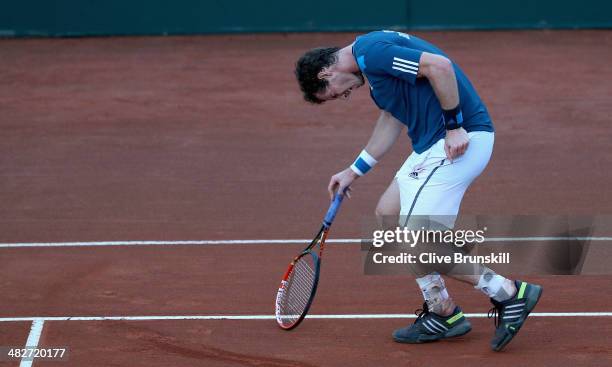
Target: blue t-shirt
column 390, row 62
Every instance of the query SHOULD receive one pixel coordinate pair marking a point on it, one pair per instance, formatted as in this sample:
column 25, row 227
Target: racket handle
column 333, row 209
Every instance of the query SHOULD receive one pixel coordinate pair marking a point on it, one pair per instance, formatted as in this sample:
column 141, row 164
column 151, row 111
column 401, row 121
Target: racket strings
column 300, row 286
column 298, row 290
column 303, row 287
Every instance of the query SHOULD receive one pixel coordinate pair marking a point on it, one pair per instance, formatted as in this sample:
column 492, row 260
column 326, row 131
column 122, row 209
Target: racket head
column 297, row 290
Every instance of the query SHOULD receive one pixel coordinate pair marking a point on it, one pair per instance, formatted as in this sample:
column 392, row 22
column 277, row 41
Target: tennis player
column 416, row 85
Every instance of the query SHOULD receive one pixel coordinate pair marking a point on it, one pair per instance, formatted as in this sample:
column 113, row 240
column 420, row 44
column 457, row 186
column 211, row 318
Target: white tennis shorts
column 432, row 186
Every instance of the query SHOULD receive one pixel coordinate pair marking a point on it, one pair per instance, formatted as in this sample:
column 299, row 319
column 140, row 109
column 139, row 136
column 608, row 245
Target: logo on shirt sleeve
column 405, row 66
column 401, row 34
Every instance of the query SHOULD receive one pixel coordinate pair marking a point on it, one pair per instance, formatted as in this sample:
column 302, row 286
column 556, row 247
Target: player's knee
column 378, row 211
column 389, row 202
column 383, row 210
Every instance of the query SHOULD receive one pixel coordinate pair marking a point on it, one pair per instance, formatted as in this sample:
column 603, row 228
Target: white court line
column 169, row 243
column 271, row 317
column 33, row 338
column 265, row 242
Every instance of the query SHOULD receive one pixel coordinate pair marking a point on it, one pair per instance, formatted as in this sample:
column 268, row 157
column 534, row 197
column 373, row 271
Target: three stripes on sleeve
column 405, row 66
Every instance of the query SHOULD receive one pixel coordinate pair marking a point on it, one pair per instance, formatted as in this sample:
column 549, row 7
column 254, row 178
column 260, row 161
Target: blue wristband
column 363, row 163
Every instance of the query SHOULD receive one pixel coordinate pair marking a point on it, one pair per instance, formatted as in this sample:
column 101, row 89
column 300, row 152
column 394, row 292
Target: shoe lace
column 496, row 313
column 421, row 312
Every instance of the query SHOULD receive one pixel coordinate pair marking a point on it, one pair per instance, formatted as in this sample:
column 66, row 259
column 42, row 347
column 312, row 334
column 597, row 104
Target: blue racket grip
column 333, row 209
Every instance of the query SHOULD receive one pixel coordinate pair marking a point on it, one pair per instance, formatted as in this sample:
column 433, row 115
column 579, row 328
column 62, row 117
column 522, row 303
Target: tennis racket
column 299, row 284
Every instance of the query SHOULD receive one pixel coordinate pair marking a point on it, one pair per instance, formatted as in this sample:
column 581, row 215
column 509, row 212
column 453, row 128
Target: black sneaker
column 510, row 315
column 429, row 327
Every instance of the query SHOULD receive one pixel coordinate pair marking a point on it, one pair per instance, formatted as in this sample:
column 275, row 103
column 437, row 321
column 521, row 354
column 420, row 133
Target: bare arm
column 441, row 75
column 383, row 137
column 385, row 134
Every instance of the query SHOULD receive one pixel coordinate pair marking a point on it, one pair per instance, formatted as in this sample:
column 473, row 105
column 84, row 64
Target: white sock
column 495, row 286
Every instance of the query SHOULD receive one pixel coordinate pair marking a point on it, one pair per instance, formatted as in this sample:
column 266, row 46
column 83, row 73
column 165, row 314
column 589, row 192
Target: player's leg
column 440, row 195
column 434, row 291
column 431, row 187
column 388, row 207
column 432, row 286
column 423, row 195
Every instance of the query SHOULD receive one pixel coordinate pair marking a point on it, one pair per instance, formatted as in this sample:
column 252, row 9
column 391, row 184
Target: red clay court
column 206, row 138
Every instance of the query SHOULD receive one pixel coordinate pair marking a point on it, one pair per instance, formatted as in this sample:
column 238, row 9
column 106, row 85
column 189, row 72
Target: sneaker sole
column 530, row 302
column 458, row 330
